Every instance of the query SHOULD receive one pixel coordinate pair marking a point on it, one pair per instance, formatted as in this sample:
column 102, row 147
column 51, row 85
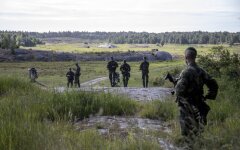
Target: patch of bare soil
column 123, row 126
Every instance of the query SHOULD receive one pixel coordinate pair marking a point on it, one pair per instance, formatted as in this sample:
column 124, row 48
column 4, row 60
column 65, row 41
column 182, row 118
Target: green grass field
column 176, row 49
column 54, row 73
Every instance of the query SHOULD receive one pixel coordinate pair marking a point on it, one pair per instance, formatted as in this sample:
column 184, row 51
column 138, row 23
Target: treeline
column 13, row 40
column 196, row 37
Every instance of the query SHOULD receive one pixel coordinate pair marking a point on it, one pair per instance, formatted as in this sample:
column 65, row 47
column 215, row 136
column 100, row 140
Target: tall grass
column 76, row 105
column 31, row 118
column 163, row 110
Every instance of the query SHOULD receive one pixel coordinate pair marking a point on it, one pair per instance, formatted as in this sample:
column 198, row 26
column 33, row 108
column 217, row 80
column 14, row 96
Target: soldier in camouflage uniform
column 112, row 66
column 125, row 69
column 33, row 75
column 190, row 95
column 70, row 77
column 145, row 70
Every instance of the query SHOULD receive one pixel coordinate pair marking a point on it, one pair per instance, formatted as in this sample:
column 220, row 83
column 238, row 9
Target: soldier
column 190, row 95
column 145, row 70
column 70, row 77
column 33, row 74
column 112, row 66
column 125, row 69
column 77, row 75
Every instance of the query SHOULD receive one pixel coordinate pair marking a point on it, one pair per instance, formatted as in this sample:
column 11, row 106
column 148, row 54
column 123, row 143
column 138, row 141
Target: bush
column 221, row 63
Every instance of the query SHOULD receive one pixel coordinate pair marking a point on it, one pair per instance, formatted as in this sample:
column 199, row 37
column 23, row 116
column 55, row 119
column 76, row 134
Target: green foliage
column 163, row 110
column 13, row 40
column 8, row 41
column 197, row 37
column 25, row 111
column 221, row 63
column 75, row 105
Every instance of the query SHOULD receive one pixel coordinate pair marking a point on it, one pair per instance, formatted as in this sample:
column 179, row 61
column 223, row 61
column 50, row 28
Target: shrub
column 221, row 63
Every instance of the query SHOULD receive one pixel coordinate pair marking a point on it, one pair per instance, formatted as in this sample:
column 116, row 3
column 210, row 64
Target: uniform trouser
column 112, row 77
column 125, row 80
column 190, row 121
column 70, row 82
column 77, row 81
column 33, row 77
column 145, row 79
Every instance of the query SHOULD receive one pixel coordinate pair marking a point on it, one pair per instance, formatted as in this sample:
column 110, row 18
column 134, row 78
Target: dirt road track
column 136, row 93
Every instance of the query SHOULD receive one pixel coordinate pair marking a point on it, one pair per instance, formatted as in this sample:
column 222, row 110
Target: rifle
column 171, row 79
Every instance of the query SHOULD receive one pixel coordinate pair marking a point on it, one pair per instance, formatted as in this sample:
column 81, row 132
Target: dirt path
column 135, row 93
column 141, row 94
column 94, row 81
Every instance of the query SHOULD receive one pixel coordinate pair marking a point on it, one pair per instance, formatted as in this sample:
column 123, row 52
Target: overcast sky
column 120, row 15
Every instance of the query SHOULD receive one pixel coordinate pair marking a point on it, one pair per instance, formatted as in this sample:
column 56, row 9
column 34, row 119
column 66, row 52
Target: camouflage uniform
column 145, row 70
column 112, row 66
column 33, row 74
column 125, row 69
column 189, row 92
column 77, row 75
column 70, row 77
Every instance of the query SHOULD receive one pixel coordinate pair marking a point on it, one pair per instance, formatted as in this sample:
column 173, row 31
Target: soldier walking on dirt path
column 112, row 66
column 125, row 69
column 190, row 96
column 145, row 70
column 77, row 75
column 70, row 77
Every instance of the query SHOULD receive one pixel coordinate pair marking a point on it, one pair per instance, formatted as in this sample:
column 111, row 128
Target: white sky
column 120, row 15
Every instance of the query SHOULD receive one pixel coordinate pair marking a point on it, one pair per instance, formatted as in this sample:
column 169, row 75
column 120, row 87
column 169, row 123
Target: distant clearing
column 176, row 49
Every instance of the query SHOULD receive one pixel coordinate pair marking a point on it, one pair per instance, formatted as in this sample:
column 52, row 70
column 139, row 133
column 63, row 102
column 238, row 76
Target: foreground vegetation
column 32, row 118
